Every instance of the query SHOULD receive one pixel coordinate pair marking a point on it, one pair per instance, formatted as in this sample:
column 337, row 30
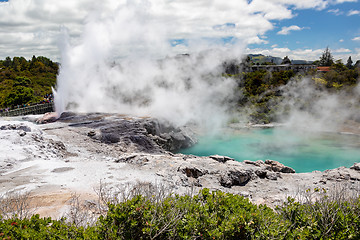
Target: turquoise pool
column 305, row 152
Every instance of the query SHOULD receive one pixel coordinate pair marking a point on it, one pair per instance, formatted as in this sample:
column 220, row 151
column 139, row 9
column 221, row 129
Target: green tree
column 339, row 66
column 20, row 95
column 357, row 64
column 286, row 60
column 349, row 63
column 326, row 58
column 7, row 62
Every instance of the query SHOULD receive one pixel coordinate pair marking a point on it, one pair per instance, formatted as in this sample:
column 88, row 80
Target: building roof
column 323, row 69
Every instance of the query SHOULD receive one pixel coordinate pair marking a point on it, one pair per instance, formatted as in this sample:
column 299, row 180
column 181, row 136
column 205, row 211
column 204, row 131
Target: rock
column 134, row 159
column 356, row 166
column 91, row 133
column 62, row 169
column 234, row 178
column 257, row 163
column 192, row 171
column 222, row 159
column 337, row 174
column 126, row 159
column 48, row 118
column 278, row 167
column 22, row 133
column 147, row 135
column 16, row 127
column 261, row 173
column 272, row 175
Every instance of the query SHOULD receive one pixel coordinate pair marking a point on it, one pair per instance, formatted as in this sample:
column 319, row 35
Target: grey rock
column 257, row 163
column 278, row 167
column 337, row 174
column 261, row 173
column 91, row 133
column 62, row 169
column 145, row 134
column 234, row 177
column 272, row 175
column 192, row 171
column 356, row 166
column 222, row 159
column 16, row 127
column 22, row 133
column 134, row 159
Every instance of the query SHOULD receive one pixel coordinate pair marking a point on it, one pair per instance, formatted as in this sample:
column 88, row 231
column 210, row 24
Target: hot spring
column 303, row 151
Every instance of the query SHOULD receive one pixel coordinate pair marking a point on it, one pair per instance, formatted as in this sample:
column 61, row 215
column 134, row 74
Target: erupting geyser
column 126, row 63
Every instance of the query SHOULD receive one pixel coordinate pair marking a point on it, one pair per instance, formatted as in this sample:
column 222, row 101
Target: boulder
column 22, row 133
column 356, row 166
column 48, row 118
column 272, row 175
column 222, row 159
column 278, row 167
column 192, row 171
column 257, row 163
column 20, row 127
column 235, row 177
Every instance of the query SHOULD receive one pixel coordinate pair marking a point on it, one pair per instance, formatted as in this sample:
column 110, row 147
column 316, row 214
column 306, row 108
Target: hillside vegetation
column 262, row 94
column 26, row 81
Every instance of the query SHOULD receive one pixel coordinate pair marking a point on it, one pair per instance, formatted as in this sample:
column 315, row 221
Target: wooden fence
column 34, row 109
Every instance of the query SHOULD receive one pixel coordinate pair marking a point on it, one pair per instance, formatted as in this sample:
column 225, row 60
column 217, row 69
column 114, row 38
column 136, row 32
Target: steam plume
column 144, row 80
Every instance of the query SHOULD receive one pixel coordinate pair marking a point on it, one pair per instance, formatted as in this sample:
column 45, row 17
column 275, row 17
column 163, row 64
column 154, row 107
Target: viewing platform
column 33, row 109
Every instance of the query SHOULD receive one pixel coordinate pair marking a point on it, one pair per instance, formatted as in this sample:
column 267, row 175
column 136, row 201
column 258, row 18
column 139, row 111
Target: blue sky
column 300, row 29
column 321, row 28
column 337, row 26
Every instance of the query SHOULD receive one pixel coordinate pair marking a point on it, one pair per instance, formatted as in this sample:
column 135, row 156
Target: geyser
column 125, row 63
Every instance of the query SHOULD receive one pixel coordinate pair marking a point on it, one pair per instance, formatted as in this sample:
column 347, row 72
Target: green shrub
column 207, row 215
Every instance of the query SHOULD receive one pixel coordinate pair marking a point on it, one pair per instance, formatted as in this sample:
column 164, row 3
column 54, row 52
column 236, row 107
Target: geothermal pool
column 305, row 152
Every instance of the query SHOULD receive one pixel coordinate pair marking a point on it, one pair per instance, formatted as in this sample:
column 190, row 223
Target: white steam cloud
column 145, row 80
column 306, row 105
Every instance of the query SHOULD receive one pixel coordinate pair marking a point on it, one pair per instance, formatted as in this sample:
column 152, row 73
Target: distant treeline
column 26, row 81
column 261, row 92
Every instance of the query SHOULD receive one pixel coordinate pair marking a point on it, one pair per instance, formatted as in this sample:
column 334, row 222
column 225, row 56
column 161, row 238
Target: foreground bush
column 207, row 215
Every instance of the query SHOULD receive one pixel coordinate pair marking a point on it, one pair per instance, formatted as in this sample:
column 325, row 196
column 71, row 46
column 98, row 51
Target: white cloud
column 304, row 54
column 342, row 50
column 336, row 12
column 342, row 1
column 353, row 12
column 286, row 30
column 341, row 40
column 356, row 39
column 32, row 27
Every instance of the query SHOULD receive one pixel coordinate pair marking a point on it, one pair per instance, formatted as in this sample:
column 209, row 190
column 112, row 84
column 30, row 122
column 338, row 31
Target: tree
column 20, row 95
column 286, row 60
column 349, row 63
column 357, row 64
column 7, row 62
column 326, row 59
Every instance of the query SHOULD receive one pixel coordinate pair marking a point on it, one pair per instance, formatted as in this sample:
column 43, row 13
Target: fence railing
column 34, row 109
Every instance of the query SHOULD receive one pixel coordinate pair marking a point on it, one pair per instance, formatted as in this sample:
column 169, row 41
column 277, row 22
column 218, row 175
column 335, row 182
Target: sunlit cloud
column 287, row 30
column 336, row 12
column 353, row 12
column 302, row 54
column 31, row 27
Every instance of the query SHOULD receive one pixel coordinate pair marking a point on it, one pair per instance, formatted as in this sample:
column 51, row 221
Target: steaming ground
column 53, row 161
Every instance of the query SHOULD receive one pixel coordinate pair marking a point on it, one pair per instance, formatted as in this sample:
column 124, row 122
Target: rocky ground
column 80, row 152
